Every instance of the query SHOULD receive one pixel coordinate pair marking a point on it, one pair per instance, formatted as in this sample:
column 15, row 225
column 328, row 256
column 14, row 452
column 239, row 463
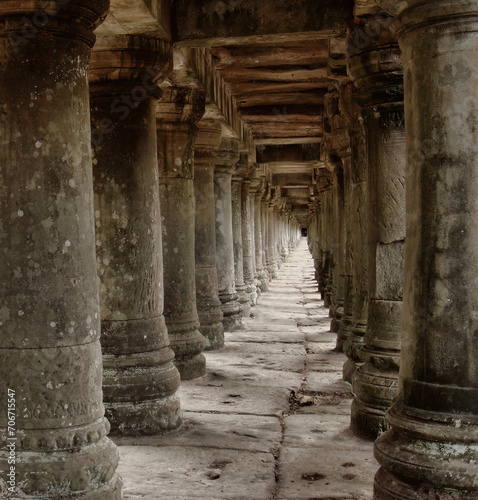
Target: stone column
column 265, row 231
column 261, row 273
column 256, row 232
column 207, row 292
column 50, row 349
column 431, row 449
column 380, row 93
column 247, row 241
column 140, row 380
column 178, row 111
column 346, row 323
column 358, row 220
column 236, row 199
column 272, row 264
column 225, row 163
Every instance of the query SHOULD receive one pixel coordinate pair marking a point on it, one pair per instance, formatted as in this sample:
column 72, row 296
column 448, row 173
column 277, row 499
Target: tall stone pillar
column 346, row 323
column 358, row 233
column 265, row 231
column 50, row 350
column 247, row 239
column 337, row 142
column 179, row 110
column 207, row 292
column 381, row 93
column 236, row 199
column 272, row 264
column 225, row 164
column 256, row 236
column 432, row 447
column 140, row 380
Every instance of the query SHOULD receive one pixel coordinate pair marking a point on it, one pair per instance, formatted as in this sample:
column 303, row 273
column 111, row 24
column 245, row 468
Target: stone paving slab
column 326, row 381
column 211, row 430
column 329, row 472
column 174, row 473
column 287, row 335
column 255, row 348
column 233, row 397
column 327, row 360
column 228, row 361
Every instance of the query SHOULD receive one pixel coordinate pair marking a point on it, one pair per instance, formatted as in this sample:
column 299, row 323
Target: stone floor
column 270, row 420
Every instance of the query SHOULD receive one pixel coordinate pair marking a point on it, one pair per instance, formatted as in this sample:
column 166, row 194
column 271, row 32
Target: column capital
column 375, row 63
column 130, row 66
column 418, row 12
column 227, row 155
column 207, row 142
column 24, row 20
column 180, row 105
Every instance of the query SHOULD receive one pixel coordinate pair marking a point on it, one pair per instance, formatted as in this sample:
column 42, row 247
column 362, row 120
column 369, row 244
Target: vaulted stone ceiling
column 266, row 67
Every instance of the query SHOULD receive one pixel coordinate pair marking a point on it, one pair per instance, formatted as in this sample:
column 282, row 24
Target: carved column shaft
column 247, row 242
column 207, row 292
column 178, row 111
column 225, row 163
column 50, row 350
column 432, row 446
column 139, row 381
column 375, row 383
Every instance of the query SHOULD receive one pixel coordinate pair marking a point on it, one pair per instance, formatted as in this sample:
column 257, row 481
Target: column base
column 244, row 300
column 344, row 331
column 375, row 388
column 211, row 327
column 263, row 278
column 77, row 463
column 251, row 291
column 145, row 418
column 188, row 344
column 389, row 487
column 191, row 368
column 367, row 422
column 231, row 309
column 429, row 458
column 139, row 392
column 349, row 368
column 272, row 270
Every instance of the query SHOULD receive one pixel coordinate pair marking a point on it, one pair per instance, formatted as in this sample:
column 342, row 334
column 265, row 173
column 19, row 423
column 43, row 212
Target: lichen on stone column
column 139, row 380
column 227, row 157
column 50, row 350
column 208, row 304
column 431, row 449
column 380, row 93
column 179, row 109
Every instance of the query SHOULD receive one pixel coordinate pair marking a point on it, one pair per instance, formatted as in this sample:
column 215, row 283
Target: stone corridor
column 271, row 418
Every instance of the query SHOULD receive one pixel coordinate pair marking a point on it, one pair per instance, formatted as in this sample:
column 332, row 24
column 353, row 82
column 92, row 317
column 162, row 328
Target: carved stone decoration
column 207, row 292
column 358, row 233
column 50, row 350
column 236, row 198
column 226, row 160
column 247, row 239
column 431, row 448
column 179, row 109
column 139, row 380
column 377, row 73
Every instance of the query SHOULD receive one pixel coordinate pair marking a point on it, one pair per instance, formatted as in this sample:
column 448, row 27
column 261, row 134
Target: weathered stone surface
column 237, row 240
column 432, row 444
column 50, row 323
column 207, row 292
column 178, row 111
column 375, row 65
column 139, row 379
column 231, row 307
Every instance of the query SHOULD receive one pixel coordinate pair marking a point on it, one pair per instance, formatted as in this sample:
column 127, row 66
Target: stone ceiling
column 266, row 67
